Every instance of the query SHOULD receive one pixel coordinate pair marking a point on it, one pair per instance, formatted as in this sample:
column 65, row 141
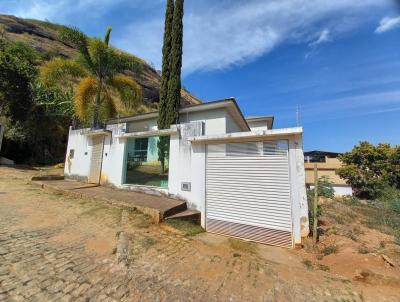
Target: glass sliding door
column 143, row 165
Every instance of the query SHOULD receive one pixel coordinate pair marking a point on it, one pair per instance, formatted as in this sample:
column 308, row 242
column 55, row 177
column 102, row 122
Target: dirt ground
column 58, row 248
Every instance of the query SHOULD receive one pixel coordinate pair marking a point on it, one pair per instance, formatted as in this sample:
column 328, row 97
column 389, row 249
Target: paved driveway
column 58, row 248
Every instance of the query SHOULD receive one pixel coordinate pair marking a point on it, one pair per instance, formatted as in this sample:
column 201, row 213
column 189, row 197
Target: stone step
column 191, row 215
column 174, row 210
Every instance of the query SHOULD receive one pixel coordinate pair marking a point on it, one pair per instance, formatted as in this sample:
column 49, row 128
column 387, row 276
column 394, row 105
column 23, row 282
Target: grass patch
column 330, row 249
column 242, row 246
column 308, row 264
column 49, row 25
column 397, row 238
column 353, row 233
column 186, row 227
column 323, row 267
column 147, row 242
column 362, row 249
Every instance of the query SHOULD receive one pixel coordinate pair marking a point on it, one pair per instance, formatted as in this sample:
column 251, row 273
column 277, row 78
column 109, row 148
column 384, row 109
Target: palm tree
column 102, row 90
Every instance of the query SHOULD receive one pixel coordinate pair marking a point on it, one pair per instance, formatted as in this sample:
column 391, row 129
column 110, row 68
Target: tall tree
column 102, row 89
column 168, row 109
column 166, row 52
column 174, row 83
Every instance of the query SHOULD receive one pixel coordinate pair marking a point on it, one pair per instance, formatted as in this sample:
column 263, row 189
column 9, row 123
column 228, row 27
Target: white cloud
column 388, row 23
column 218, row 34
column 323, row 37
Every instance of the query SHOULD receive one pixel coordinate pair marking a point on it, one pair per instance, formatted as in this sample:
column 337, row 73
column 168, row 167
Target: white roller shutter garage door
column 248, row 191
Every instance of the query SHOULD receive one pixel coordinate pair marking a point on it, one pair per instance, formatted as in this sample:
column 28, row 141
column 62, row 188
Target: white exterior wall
column 343, row 190
column 340, row 190
column 231, row 125
column 112, row 171
column 298, row 189
column 79, row 165
column 215, row 120
column 187, row 164
column 258, row 125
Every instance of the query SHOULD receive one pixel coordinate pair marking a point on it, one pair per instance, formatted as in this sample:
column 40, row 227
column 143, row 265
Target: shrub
column 351, row 200
column 389, row 199
column 308, row 264
column 397, row 238
column 325, row 188
column 362, row 249
column 323, row 267
column 330, row 249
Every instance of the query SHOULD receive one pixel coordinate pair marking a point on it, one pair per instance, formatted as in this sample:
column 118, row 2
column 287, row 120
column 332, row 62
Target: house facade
column 246, row 179
column 327, row 164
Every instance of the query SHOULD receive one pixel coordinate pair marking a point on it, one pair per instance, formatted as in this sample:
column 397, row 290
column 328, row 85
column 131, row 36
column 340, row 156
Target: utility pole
column 315, row 208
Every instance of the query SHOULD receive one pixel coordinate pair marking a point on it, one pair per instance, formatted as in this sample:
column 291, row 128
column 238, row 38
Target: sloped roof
column 230, row 104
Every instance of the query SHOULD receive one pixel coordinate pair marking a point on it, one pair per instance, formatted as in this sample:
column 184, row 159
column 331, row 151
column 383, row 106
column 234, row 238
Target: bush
column 330, row 249
column 386, row 218
column 397, row 238
column 351, row 200
column 369, row 168
column 325, row 188
column 389, row 199
column 308, row 264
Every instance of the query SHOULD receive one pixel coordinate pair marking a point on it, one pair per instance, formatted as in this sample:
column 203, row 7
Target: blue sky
column 338, row 61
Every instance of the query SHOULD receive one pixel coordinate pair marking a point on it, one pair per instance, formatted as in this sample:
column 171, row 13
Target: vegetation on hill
column 37, row 116
column 102, row 90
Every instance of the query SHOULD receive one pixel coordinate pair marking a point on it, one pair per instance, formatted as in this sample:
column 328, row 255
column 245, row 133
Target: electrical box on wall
column 186, row 186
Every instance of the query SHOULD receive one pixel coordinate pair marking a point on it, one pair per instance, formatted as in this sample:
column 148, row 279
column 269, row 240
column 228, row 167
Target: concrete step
column 178, row 208
column 191, row 215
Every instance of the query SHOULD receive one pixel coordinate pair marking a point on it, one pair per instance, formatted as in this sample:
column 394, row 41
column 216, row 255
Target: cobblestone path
column 58, row 248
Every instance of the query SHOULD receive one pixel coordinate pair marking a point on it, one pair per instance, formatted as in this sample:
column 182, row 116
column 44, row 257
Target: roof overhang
column 96, row 132
column 229, row 104
column 247, row 136
column 269, row 120
column 163, row 132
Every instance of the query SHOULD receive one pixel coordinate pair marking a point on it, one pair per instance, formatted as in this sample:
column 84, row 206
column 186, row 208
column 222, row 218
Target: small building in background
column 327, row 164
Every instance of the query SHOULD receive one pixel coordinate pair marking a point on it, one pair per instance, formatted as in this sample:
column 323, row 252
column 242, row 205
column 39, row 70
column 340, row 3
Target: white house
column 245, row 178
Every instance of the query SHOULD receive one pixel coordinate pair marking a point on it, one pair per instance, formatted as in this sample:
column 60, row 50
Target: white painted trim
column 95, row 132
column 243, row 136
column 163, row 132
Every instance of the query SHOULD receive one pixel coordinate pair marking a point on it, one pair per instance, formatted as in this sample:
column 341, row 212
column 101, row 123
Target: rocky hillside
column 44, row 37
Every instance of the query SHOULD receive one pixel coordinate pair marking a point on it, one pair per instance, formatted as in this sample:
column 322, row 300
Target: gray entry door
column 248, row 191
column 96, row 159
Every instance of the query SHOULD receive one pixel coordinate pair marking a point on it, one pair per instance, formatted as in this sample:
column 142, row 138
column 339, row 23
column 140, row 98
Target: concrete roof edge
column 196, row 107
column 247, row 135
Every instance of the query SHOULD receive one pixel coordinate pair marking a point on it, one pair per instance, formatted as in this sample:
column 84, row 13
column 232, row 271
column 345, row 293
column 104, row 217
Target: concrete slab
column 158, row 207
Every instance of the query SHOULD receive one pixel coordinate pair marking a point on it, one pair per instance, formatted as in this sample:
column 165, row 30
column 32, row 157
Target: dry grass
column 242, row 246
column 186, row 227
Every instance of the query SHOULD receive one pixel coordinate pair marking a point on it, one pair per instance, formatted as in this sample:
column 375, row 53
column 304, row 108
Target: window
column 141, row 145
column 143, row 166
